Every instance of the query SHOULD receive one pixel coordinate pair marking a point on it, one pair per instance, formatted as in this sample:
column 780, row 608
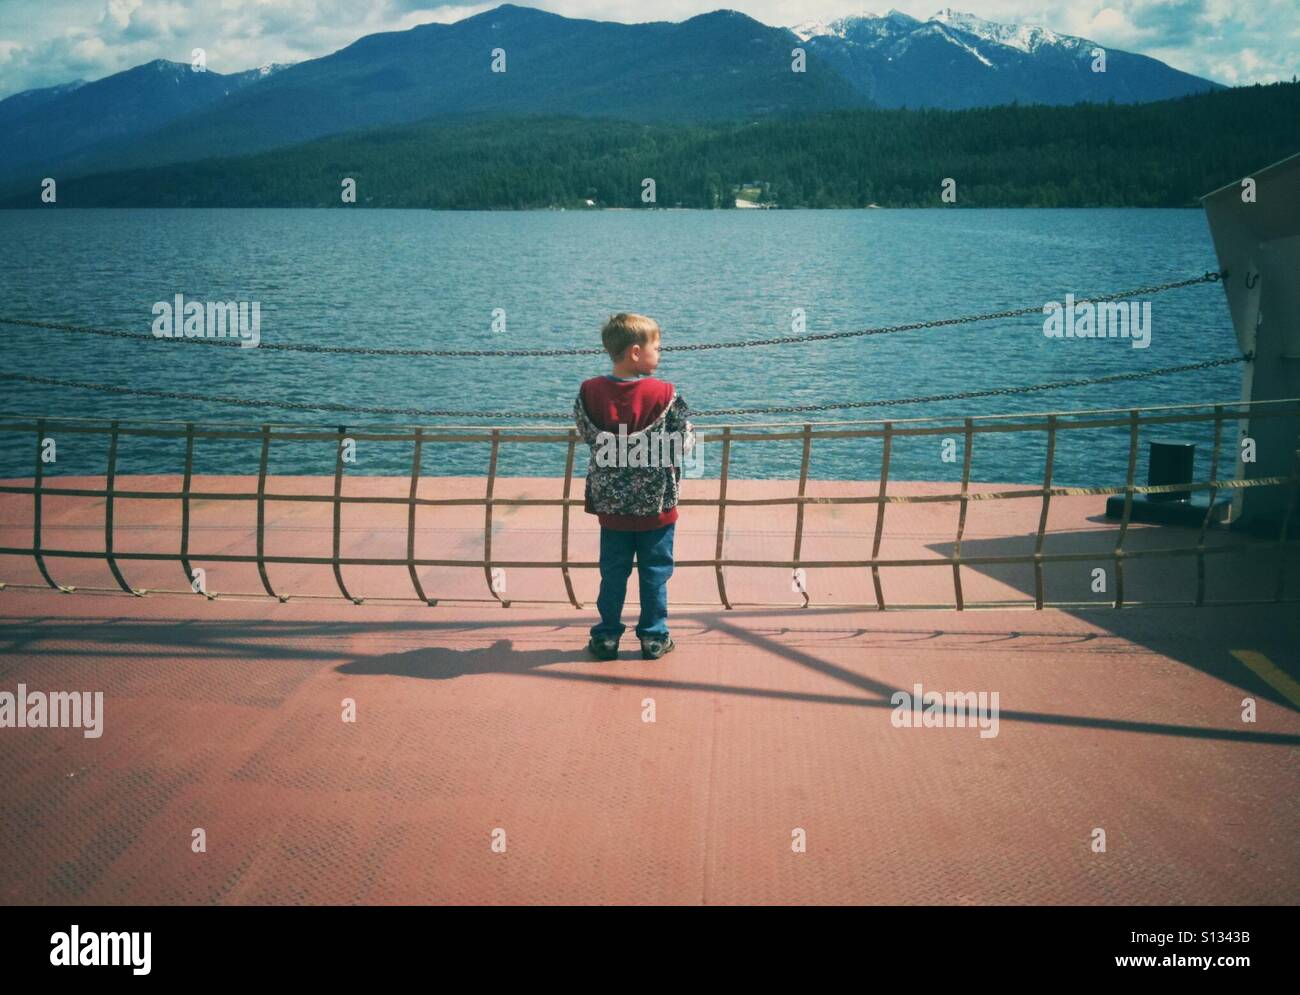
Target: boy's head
column 632, row 341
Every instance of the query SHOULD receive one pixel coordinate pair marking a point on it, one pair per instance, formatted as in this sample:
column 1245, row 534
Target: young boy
column 638, row 432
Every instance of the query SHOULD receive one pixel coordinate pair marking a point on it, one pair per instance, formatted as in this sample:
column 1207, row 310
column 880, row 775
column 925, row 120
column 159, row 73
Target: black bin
column 1171, row 463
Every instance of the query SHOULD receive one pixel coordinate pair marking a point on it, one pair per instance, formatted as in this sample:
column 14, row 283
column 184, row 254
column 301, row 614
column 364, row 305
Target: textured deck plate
column 226, row 716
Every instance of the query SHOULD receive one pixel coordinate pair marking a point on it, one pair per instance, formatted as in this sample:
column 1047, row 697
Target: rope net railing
column 1271, row 554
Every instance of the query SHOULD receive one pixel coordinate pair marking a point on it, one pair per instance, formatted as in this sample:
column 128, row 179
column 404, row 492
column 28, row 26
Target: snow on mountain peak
column 869, row 27
column 838, row 28
column 814, row 29
column 1024, row 37
column 970, row 49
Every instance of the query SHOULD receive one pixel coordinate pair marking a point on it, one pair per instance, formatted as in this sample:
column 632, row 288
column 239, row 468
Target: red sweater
column 636, row 404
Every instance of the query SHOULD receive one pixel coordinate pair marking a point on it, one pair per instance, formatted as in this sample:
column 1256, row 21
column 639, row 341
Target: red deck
column 471, row 718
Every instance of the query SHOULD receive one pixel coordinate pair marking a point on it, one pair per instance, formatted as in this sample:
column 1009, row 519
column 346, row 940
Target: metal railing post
column 487, row 518
column 967, row 445
column 261, row 514
column 38, row 479
column 110, row 481
column 1209, row 510
column 1048, row 468
column 338, row 516
column 798, row 515
column 722, row 515
column 881, row 505
column 564, row 524
column 410, row 519
column 1128, row 508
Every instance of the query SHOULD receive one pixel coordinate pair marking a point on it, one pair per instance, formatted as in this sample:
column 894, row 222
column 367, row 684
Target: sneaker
column 653, row 649
column 603, row 648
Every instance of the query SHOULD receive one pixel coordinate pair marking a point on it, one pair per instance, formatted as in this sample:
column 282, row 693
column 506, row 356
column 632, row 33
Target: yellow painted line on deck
column 1269, row 672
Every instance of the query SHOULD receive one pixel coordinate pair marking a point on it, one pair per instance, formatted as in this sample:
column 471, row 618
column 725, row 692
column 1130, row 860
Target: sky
column 43, row 42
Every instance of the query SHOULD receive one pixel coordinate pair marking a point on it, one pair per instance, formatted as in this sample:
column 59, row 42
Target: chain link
column 993, row 392
column 176, row 395
column 943, row 322
column 234, row 342
column 182, row 395
column 1208, row 277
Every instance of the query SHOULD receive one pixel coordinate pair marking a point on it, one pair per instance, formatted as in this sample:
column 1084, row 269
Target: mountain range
column 954, row 60
column 54, row 123
column 720, row 66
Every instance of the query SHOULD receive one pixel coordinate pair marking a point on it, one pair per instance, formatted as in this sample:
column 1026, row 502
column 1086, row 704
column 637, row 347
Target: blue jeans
column 654, row 564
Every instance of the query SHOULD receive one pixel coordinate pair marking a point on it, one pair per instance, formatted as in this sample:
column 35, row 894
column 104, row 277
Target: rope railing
column 1050, row 425
column 966, row 395
column 50, row 326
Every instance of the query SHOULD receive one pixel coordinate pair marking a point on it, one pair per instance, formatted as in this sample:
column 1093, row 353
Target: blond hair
column 623, row 330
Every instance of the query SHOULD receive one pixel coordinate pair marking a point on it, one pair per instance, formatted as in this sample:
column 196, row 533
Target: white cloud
column 156, row 20
column 118, row 12
column 1111, row 22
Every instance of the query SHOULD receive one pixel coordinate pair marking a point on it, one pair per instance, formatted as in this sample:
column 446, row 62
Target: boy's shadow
column 440, row 663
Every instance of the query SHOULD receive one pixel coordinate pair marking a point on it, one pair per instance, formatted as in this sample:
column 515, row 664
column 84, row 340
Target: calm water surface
column 432, row 279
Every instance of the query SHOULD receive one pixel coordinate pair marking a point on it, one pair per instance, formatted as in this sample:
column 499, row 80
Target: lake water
column 419, row 279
